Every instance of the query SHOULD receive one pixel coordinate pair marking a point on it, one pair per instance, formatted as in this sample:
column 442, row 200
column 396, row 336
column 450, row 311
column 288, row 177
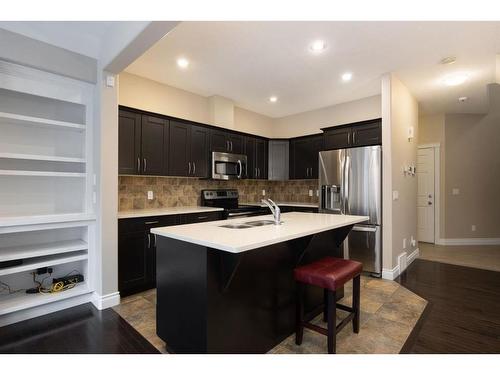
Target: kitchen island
column 227, row 286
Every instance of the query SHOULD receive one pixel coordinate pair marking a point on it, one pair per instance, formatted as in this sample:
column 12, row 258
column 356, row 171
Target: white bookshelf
column 47, row 208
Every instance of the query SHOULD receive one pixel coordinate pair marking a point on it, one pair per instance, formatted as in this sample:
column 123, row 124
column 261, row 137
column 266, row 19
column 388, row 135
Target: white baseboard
column 108, row 300
column 391, row 274
column 467, row 241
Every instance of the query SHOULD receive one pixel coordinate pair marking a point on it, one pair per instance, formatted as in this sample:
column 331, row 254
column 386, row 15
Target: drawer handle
column 151, row 222
column 202, row 217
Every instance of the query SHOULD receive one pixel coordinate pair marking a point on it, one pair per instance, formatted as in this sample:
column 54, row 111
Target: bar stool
column 330, row 274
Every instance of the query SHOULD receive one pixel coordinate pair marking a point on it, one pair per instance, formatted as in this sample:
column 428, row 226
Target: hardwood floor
column 81, row 329
column 463, row 313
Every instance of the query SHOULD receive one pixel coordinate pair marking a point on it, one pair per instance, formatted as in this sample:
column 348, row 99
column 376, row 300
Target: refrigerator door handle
column 358, row 228
column 346, row 183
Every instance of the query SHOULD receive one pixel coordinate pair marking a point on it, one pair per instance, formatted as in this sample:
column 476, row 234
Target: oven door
column 228, row 166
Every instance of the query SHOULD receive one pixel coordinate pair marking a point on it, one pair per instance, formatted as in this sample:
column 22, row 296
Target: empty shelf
column 10, row 155
column 31, row 251
column 11, row 221
column 12, row 172
column 39, row 121
column 20, row 301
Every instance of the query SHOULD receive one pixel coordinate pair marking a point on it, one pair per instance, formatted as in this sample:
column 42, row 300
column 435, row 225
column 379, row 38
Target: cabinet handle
column 227, row 145
column 202, row 217
column 354, row 137
column 151, row 222
column 348, row 138
column 231, row 145
column 145, row 165
column 154, row 238
column 189, row 164
column 194, row 168
column 149, row 241
column 138, row 165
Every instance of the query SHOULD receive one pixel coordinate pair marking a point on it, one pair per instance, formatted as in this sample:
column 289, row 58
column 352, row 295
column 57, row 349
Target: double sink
column 248, row 224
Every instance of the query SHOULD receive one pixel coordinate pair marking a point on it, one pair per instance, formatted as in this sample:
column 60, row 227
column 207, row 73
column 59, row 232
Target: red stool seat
column 328, row 273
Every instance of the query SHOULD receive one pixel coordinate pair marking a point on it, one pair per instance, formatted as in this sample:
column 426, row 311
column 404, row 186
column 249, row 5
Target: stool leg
column 356, row 303
column 299, row 317
column 325, row 307
column 332, row 321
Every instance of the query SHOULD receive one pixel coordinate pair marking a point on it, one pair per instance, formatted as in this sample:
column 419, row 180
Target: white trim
column 391, row 274
column 106, row 301
column 437, row 185
column 414, row 255
column 468, row 241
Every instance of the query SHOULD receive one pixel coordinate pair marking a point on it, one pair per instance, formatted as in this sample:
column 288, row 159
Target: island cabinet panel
column 212, row 301
column 200, row 217
column 129, row 142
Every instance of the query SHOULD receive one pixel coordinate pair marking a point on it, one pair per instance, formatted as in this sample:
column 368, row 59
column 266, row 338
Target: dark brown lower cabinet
column 137, row 248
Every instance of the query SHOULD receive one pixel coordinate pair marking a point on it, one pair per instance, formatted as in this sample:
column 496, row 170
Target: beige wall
column 431, row 130
column 142, row 93
column 472, row 165
column 399, row 111
column 311, row 122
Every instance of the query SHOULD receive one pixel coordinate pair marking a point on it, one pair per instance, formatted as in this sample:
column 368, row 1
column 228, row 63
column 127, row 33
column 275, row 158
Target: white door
column 425, row 201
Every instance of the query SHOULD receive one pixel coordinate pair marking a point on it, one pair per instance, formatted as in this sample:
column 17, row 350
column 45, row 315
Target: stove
column 228, row 199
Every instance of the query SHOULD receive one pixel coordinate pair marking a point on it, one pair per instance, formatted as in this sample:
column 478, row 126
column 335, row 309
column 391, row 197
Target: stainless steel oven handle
column 241, row 169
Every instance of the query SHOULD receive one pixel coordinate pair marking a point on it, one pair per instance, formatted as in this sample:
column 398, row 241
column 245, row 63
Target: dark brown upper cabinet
column 188, row 150
column 142, row 142
column 304, row 157
column 224, row 141
column 364, row 133
column 256, row 152
column 129, row 142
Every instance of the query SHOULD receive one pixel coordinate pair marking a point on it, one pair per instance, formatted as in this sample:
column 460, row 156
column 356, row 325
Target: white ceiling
column 250, row 61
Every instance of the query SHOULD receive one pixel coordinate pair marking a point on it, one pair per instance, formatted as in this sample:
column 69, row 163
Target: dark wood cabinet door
column 316, row 145
column 129, row 142
column 153, row 148
column 338, row 138
column 250, row 153
column 261, row 158
column 200, row 154
column 219, row 141
column 367, row 134
column 133, row 262
column 179, row 149
column 236, row 145
column 301, row 150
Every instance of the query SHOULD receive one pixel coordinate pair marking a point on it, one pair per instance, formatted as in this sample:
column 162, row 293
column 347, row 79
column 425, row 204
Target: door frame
column 437, row 192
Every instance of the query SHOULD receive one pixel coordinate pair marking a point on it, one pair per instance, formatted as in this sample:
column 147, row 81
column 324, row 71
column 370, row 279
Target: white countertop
column 295, row 225
column 292, row 204
column 165, row 211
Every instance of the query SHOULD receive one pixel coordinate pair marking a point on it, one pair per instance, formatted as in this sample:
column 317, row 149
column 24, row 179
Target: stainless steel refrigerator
column 350, row 182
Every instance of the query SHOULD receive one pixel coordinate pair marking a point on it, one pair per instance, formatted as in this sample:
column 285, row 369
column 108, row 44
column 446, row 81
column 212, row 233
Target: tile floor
column 483, row 257
column 388, row 314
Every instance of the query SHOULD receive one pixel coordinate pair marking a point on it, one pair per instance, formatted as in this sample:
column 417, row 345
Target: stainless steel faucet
column 275, row 210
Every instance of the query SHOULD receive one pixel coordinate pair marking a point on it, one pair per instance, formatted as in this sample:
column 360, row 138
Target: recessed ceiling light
column 182, row 62
column 273, row 99
column 347, row 76
column 455, row 79
column 462, row 99
column 448, row 60
column 318, row 46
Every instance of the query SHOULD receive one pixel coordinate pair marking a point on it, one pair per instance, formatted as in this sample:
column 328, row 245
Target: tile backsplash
column 182, row 191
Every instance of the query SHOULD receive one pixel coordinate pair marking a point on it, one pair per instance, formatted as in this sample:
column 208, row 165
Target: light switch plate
column 404, row 243
column 110, row 81
column 395, row 195
column 455, row 191
column 473, row 227
column 310, row 193
column 150, row 195
column 263, row 192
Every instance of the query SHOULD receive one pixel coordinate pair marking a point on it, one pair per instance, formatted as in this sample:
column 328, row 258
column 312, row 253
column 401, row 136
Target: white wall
column 400, row 111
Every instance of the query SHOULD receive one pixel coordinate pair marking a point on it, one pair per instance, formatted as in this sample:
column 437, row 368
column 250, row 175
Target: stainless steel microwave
column 228, row 166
